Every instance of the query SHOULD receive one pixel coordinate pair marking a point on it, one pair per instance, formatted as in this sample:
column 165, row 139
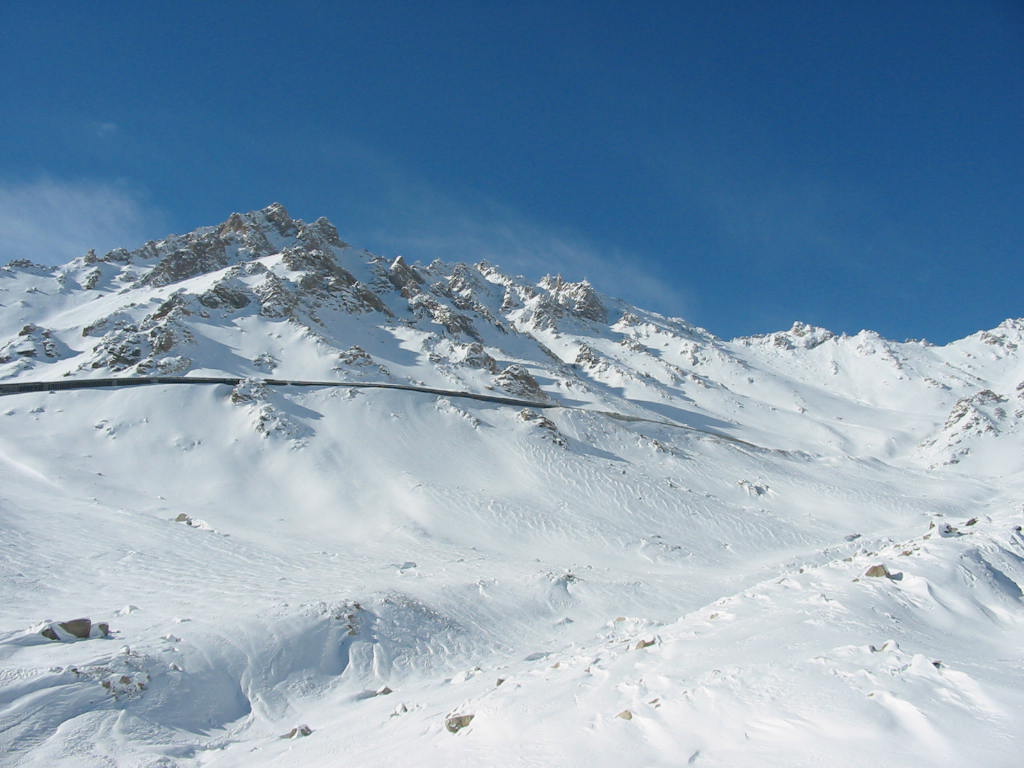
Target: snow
column 371, row 563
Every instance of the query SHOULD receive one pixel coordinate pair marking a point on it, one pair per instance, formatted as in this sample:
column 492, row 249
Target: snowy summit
column 507, row 524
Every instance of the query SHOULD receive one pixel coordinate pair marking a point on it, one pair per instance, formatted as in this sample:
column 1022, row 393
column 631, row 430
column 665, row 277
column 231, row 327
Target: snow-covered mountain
column 671, row 563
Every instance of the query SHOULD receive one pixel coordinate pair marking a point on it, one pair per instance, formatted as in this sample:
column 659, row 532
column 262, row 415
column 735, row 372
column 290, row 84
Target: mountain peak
column 223, row 299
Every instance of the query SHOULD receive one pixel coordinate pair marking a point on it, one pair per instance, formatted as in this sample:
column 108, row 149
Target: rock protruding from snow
column 31, row 342
column 578, row 298
column 973, row 420
column 518, row 381
column 403, row 277
column 800, row 336
column 75, row 629
column 455, row 723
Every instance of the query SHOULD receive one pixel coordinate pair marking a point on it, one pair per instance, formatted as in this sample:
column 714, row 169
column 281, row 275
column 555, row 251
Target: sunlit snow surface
column 593, row 591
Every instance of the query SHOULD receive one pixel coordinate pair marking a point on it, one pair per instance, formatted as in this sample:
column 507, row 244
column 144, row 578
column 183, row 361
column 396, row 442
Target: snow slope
column 593, row 584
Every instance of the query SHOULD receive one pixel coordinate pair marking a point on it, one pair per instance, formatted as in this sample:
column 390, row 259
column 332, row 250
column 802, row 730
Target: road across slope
column 10, row 388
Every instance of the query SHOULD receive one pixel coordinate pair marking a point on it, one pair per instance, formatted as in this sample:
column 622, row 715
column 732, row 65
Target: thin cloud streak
column 402, row 214
column 521, row 247
column 51, row 221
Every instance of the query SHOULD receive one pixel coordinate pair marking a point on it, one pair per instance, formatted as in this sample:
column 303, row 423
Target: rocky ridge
column 266, row 293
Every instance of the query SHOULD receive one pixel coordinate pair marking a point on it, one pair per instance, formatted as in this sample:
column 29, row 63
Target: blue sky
column 743, row 164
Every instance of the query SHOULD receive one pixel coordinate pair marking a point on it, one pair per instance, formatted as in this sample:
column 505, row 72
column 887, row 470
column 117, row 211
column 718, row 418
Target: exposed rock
column 550, row 430
column 201, row 255
column 473, row 356
column 172, row 365
column 226, row 294
column 297, row 732
column 588, row 357
column 404, row 277
column 322, row 271
column 452, row 321
column 455, row 723
column 625, row 715
column 320, row 235
column 632, row 344
column 753, row 489
column 30, row 266
column 516, row 380
column 800, row 336
column 92, row 277
column 32, row 342
column 276, row 301
column 880, row 571
column 277, row 215
column 579, row 298
column 981, row 416
column 357, row 361
column 265, row 361
column 248, row 391
column 75, row 628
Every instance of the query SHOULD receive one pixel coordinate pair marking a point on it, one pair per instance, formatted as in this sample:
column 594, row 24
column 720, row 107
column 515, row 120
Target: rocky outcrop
column 800, row 336
column 547, row 427
column 75, row 629
column 356, row 361
column 33, row 343
column 146, row 347
column 453, row 322
column 981, row 416
column 404, row 278
column 473, row 356
column 580, row 299
column 455, row 723
column 227, row 293
column 518, row 381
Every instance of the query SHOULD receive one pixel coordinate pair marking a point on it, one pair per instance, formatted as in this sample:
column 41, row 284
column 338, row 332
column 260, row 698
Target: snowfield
column 792, row 549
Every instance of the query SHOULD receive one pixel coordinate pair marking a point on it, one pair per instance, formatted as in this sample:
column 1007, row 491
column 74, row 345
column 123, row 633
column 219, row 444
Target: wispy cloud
column 506, row 238
column 51, row 221
column 404, row 214
column 105, row 129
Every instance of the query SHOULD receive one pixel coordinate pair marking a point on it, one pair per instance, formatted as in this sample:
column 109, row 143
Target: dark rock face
column 578, row 298
column 203, row 256
column 404, row 277
column 225, row 295
column 516, row 380
column 277, row 215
